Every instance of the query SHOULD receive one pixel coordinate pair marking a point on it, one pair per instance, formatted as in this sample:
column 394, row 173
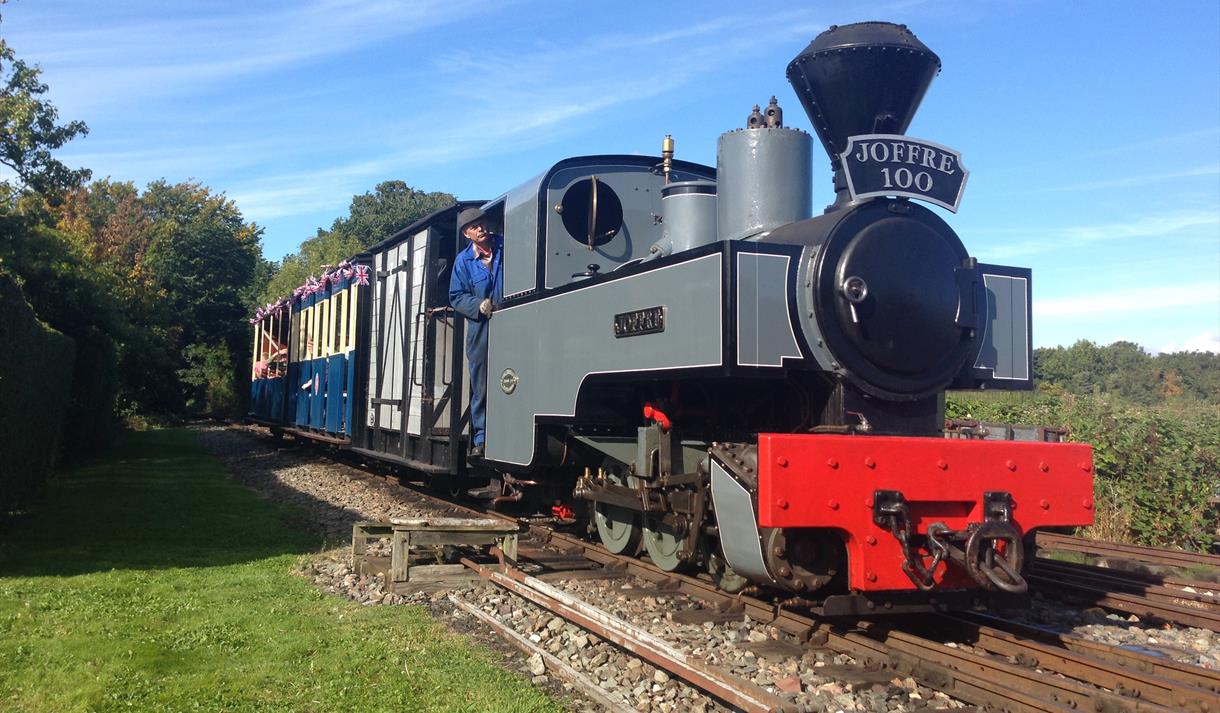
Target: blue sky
column 1091, row 129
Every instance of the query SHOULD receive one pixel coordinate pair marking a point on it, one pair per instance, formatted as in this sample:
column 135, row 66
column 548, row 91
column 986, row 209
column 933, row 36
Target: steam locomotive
column 722, row 379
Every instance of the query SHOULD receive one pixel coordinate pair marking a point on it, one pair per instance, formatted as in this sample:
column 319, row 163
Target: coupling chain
column 924, row 576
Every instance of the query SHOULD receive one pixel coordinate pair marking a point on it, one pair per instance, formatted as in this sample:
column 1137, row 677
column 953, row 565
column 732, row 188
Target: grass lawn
column 147, row 581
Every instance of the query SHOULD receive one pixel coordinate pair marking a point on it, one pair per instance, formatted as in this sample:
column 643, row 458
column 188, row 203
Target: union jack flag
column 362, row 274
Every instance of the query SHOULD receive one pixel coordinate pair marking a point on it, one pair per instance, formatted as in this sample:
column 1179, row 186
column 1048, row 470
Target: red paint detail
column 657, row 415
column 1044, row 504
column 942, row 464
column 870, row 540
column 832, row 504
column 871, row 576
column 909, row 465
column 1085, row 466
column 563, row 512
column 1011, row 465
column 832, row 462
column 781, row 462
column 870, row 463
column 1044, row 467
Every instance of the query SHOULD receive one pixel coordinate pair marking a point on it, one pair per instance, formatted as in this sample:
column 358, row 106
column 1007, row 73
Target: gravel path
column 332, row 496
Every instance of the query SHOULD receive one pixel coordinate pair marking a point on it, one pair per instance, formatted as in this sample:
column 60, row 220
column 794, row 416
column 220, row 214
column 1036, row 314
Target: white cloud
column 1157, row 144
column 514, row 95
column 1126, row 181
column 1202, row 342
column 1158, row 225
column 1120, row 303
column 526, row 99
column 113, row 64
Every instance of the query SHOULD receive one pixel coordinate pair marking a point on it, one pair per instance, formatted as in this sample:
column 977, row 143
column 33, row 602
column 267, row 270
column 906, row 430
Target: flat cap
column 469, row 216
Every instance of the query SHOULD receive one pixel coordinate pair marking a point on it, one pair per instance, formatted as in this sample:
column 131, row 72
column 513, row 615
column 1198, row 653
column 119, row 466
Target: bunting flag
column 282, row 306
column 331, row 276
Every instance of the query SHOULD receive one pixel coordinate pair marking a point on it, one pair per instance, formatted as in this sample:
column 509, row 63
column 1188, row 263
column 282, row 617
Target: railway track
column 1163, row 597
column 983, row 660
column 978, row 659
column 1137, row 553
column 1091, row 676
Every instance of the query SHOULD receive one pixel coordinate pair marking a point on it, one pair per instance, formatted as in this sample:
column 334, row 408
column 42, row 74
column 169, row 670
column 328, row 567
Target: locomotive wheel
column 802, row 559
column 663, row 545
column 617, row 527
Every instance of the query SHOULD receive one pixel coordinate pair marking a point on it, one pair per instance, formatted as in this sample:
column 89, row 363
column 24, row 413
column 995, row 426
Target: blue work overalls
column 471, row 283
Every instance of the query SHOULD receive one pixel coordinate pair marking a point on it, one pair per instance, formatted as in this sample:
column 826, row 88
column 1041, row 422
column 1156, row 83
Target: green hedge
column 1157, row 466
column 36, row 371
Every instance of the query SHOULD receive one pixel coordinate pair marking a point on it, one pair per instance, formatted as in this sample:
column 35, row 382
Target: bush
column 210, row 376
column 36, row 365
column 67, row 292
column 1155, row 466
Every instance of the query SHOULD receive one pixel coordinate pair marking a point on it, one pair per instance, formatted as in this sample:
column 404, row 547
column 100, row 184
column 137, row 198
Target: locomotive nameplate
column 897, row 165
column 649, row 320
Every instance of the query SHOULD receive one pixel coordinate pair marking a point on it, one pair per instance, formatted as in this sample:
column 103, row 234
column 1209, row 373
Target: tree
column 202, row 259
column 392, row 206
column 325, row 248
column 67, row 293
column 203, row 255
column 109, row 220
column 1124, row 369
column 55, row 276
column 29, row 131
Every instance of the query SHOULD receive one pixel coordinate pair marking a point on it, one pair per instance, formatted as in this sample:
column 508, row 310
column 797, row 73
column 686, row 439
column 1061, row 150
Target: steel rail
column 1133, row 578
column 975, row 678
column 1183, row 612
column 1045, row 689
column 587, row 686
column 1150, row 586
column 1162, row 667
column 1169, row 686
column 1151, row 555
column 720, row 684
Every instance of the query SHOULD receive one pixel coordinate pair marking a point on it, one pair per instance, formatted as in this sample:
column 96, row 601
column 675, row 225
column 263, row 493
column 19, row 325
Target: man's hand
column 486, row 307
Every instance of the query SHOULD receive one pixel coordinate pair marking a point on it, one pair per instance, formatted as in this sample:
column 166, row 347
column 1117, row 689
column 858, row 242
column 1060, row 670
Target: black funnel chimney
column 864, row 78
